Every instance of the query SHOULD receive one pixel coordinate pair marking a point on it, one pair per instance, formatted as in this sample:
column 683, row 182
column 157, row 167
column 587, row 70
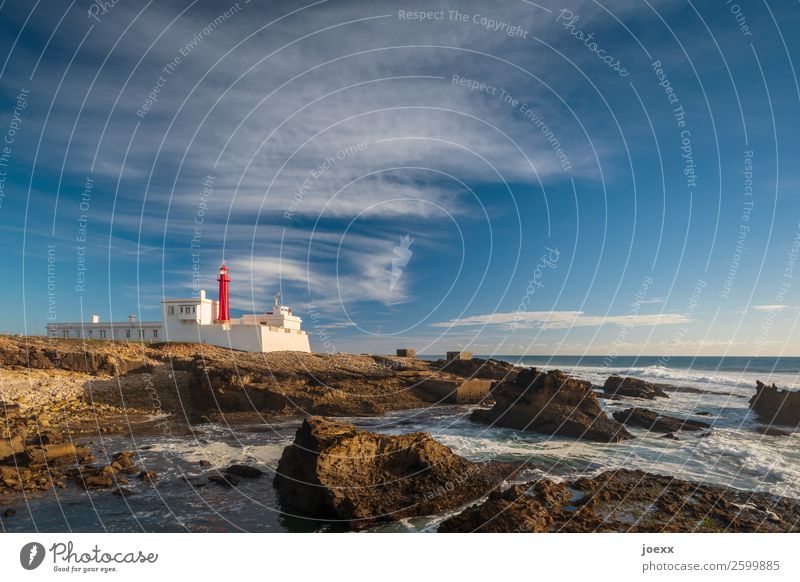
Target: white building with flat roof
column 201, row 320
column 192, row 320
column 109, row 330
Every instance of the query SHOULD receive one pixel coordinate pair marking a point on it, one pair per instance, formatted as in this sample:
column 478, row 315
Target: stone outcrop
column 459, row 391
column 334, row 471
column 617, row 386
column 655, row 422
column 518, row 509
column 490, row 369
column 628, row 501
column 46, row 353
column 551, row 403
column 775, row 406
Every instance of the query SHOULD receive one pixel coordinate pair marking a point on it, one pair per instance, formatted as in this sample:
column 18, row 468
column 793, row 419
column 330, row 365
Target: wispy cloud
column 564, row 319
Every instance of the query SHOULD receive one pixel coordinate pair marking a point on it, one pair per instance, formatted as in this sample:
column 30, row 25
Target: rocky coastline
column 56, row 396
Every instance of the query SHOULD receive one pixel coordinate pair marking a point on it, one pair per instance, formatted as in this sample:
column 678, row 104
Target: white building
column 118, row 331
column 194, row 320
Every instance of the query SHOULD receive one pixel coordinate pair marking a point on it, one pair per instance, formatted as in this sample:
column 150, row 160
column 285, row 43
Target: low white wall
column 246, row 338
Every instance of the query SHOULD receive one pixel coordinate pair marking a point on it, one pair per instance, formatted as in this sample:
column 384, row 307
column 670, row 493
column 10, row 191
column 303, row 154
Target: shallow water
column 732, row 455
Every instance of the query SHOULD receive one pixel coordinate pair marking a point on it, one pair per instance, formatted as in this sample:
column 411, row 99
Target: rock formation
column 551, row 403
column 653, row 421
column 333, row 471
column 617, row 386
column 774, row 406
column 518, row 509
column 457, row 391
column 628, row 501
column 490, row 369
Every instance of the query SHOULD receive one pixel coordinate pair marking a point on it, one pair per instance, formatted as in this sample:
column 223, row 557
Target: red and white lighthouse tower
column 224, row 313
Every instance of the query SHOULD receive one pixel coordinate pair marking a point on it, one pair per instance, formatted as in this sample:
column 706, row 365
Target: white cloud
column 564, row 319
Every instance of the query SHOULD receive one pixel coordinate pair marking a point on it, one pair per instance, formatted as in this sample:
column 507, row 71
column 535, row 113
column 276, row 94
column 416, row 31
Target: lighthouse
column 224, row 311
column 203, row 320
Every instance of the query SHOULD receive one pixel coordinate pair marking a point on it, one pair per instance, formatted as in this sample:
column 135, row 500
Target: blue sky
column 624, row 181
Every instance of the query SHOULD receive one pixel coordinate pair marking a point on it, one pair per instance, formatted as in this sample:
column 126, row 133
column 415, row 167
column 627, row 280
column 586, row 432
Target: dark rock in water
column 631, row 501
column 194, row 481
column 656, row 422
column 670, row 436
column 225, row 480
column 123, row 492
column 204, row 463
column 771, row 431
column 9, row 512
column 244, row 471
column 148, row 476
column 774, row 406
column 703, row 413
column 518, row 509
column 551, row 403
column 334, row 471
column 690, row 390
column 616, row 386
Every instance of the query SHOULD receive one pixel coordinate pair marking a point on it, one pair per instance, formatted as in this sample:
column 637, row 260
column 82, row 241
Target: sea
column 733, row 454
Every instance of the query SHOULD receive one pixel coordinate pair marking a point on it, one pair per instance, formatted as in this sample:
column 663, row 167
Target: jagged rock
column 148, row 476
column 490, row 369
column 772, row 405
column 244, row 471
column 337, row 472
column 617, row 386
column 551, row 403
column 518, row 509
column 771, row 431
column 9, row 447
column 454, row 391
column 629, row 501
column 225, row 480
column 48, row 453
column 655, row 422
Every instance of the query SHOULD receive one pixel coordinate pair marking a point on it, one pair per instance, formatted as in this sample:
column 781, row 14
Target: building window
column 141, row 333
column 181, row 308
column 66, row 333
column 155, row 333
column 194, row 309
column 128, row 333
column 90, row 333
column 103, row 333
column 171, row 310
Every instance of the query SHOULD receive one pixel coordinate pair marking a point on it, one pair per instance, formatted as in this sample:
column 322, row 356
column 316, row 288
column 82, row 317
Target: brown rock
column 774, row 406
column 653, row 421
column 518, row 509
column 551, row 403
column 244, row 471
column 459, row 391
column 617, row 386
column 98, row 481
column 42, row 455
column 10, row 447
column 148, row 476
column 334, row 471
column 630, row 501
